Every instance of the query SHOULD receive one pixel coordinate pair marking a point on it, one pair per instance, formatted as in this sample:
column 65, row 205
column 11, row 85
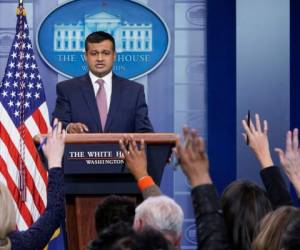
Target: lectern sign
column 104, row 158
column 93, row 163
column 96, row 157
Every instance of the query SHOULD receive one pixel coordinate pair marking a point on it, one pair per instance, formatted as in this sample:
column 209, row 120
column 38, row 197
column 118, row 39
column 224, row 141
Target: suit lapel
column 114, row 101
column 89, row 97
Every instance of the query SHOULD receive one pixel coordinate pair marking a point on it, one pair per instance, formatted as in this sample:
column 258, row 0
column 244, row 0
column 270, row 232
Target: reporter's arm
column 211, row 228
column 290, row 159
column 136, row 162
column 276, row 187
column 39, row 234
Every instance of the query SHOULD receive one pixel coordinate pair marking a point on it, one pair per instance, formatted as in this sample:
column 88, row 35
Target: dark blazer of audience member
column 76, row 104
column 121, row 236
column 38, row 235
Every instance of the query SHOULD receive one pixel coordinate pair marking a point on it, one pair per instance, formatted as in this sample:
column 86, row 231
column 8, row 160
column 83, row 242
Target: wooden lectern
column 93, row 169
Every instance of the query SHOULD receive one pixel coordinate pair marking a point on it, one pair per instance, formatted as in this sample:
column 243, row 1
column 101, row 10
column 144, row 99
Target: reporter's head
column 163, row 214
column 244, row 204
column 277, row 230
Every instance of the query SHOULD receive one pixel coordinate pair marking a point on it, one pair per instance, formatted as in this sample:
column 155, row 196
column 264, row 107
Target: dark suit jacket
column 128, row 111
column 210, row 224
column 276, row 187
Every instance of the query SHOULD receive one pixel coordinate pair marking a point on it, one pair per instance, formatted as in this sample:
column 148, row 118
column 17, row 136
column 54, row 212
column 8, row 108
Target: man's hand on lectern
column 77, row 128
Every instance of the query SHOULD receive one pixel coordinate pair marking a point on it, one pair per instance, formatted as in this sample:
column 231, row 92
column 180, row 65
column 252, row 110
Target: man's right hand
column 77, row 128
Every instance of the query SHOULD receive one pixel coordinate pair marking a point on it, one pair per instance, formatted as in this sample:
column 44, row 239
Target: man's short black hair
column 110, row 235
column 121, row 236
column 114, row 209
column 98, row 37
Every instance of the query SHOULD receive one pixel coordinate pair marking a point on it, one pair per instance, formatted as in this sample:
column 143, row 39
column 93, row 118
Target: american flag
column 23, row 114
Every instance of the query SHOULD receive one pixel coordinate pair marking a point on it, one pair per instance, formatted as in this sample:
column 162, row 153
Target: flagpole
column 22, row 169
column 20, row 8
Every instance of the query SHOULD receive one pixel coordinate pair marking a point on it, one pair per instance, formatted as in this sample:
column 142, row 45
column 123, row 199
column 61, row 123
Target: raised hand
column 193, row 158
column 258, row 140
column 54, row 147
column 290, row 159
column 135, row 158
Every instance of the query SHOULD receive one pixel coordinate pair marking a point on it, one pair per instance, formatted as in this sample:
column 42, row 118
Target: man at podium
column 100, row 101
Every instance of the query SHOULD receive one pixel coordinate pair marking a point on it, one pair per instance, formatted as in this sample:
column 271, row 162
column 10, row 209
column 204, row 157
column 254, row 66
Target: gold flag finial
column 21, row 9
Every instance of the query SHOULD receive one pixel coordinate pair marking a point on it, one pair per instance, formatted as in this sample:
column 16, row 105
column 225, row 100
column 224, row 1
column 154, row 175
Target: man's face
column 100, row 57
